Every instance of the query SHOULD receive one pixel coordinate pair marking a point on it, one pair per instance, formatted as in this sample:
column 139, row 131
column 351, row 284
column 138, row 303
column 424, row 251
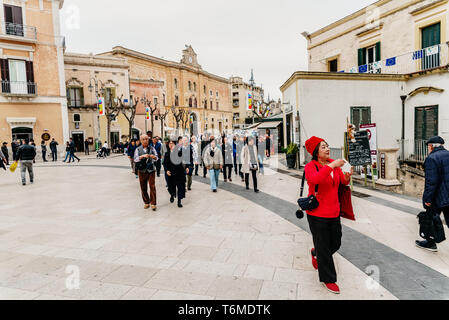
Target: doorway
column 431, row 36
column 115, row 138
column 289, row 129
column 22, row 133
column 193, row 124
column 78, row 139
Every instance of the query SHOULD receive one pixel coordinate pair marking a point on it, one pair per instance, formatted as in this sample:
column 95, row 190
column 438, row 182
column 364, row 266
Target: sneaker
column 147, row 206
column 24, row 184
column 154, row 208
column 172, row 199
column 332, row 287
column 426, row 245
column 314, row 260
column 215, row 190
column 257, row 191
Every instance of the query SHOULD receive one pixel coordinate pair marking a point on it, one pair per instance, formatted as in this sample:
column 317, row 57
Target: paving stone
column 130, row 275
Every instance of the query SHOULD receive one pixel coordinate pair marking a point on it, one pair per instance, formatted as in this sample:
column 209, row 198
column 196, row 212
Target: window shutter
column 5, row 69
column 81, row 91
column 361, row 56
column 29, row 71
column 378, row 53
column 68, row 96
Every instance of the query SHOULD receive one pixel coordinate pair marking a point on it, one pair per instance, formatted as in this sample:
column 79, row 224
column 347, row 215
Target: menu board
column 360, row 151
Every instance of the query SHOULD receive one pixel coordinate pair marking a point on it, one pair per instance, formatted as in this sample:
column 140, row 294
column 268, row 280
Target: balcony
column 19, row 89
column 417, row 61
column 12, row 31
column 415, row 151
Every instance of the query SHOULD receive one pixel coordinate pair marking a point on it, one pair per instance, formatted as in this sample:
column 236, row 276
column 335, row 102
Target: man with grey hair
column 436, row 192
column 145, row 157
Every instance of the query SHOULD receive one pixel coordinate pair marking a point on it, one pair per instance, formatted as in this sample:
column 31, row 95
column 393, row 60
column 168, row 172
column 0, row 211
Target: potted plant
column 292, row 152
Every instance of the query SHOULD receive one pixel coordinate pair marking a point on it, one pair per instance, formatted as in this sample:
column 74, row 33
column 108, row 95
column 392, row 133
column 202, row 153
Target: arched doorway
column 22, row 133
column 135, row 134
column 193, row 121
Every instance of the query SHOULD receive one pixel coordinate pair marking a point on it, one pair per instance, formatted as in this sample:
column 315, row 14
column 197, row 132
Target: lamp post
column 97, row 91
column 252, row 84
column 403, row 98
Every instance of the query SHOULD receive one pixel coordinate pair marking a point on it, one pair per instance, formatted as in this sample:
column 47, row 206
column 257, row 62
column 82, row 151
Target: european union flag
column 418, row 55
column 363, row 69
column 390, row 62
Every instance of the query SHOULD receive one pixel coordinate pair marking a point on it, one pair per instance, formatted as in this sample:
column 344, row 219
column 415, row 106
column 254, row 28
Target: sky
column 231, row 37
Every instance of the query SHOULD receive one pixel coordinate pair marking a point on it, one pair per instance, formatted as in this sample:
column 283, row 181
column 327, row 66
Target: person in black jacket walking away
column 54, row 150
column 175, row 170
column 86, row 147
column 5, row 152
column 26, row 154
column 72, row 150
column 187, row 160
column 204, row 143
column 436, row 192
column 14, row 147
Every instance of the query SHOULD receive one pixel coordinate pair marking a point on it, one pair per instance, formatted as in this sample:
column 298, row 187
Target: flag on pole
column 101, row 106
column 390, row 62
column 250, row 101
column 147, row 111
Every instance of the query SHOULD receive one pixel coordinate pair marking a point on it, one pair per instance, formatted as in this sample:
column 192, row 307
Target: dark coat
column 54, row 146
column 436, row 189
column 177, row 171
column 5, row 152
column 26, row 152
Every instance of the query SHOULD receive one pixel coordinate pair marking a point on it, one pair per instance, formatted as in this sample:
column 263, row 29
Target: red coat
column 327, row 188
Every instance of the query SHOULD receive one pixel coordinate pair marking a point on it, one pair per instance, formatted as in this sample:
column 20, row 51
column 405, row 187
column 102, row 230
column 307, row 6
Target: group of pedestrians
column 70, row 149
column 25, row 153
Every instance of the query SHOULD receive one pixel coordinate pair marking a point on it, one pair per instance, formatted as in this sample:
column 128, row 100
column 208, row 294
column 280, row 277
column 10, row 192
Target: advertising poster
column 372, row 135
column 101, row 106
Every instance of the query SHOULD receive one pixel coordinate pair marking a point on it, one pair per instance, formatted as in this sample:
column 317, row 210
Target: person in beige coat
column 250, row 163
column 213, row 160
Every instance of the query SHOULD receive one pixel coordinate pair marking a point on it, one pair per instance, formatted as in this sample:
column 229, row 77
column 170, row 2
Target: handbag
column 13, row 166
column 431, row 226
column 310, row 203
column 345, row 198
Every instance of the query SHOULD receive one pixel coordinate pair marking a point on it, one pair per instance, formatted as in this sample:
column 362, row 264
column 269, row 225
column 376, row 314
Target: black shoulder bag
column 307, row 204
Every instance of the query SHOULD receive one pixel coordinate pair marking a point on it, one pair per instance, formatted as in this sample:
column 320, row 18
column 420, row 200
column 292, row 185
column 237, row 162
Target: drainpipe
column 403, row 98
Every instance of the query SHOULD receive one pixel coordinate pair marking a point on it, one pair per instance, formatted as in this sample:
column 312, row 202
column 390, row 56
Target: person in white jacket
column 213, row 160
column 250, row 162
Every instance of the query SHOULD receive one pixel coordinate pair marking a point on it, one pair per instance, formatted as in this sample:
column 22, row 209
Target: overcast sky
column 229, row 36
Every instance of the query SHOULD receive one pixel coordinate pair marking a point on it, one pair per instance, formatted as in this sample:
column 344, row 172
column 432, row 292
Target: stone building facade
column 186, row 86
column 32, row 97
column 242, row 115
column 111, row 75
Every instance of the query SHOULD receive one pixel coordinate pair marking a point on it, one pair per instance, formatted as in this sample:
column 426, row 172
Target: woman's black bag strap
column 303, row 182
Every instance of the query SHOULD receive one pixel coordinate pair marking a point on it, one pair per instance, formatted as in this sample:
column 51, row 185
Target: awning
column 269, row 125
column 254, row 126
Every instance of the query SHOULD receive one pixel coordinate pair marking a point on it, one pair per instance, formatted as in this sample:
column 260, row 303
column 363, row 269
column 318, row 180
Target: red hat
column 312, row 143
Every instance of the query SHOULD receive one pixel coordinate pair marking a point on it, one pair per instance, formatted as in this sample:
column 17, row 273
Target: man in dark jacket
column 14, row 147
column 26, row 154
column 436, row 192
column 54, row 150
column 5, row 152
column 73, row 149
column 86, row 147
column 158, row 147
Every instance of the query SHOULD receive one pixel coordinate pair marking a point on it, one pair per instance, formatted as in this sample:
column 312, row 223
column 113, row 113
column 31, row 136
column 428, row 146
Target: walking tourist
column 175, row 172
column 5, row 152
column 196, row 156
column 2, row 160
column 250, row 163
column 54, row 150
column 213, row 160
column 436, row 192
column 325, row 225
column 44, row 151
column 268, row 144
column 26, row 153
column 72, row 150
column 204, row 143
column 187, row 160
column 68, row 154
column 240, row 144
column 158, row 147
column 131, row 151
column 227, row 152
column 145, row 156
column 14, row 147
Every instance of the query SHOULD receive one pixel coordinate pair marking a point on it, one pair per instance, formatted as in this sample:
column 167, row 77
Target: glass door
column 431, row 37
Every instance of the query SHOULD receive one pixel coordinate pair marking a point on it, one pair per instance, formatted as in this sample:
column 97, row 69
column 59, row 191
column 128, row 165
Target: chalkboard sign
column 360, row 151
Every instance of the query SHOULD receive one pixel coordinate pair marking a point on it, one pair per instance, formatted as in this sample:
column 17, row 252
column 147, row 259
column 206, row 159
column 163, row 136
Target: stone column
column 388, row 163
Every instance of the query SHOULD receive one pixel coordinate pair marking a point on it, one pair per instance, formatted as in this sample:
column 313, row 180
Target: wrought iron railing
column 421, row 60
column 413, row 150
column 19, row 88
column 18, row 30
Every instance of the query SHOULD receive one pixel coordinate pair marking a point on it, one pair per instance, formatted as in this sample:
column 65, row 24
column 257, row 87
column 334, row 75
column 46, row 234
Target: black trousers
column 445, row 212
column 54, row 155
column 227, row 171
column 254, row 174
column 204, row 170
column 86, row 151
column 197, row 166
column 326, row 233
column 176, row 188
column 158, row 167
column 75, row 157
column 44, row 156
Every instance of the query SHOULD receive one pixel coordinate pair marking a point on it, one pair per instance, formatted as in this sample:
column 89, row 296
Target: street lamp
column 91, row 88
column 252, row 84
column 403, row 98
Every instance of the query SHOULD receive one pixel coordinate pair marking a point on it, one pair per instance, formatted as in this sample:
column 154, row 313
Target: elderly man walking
column 26, row 154
column 145, row 157
column 436, row 192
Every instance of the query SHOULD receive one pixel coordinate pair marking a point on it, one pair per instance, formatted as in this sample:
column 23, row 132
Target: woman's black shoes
column 172, row 199
column 179, row 204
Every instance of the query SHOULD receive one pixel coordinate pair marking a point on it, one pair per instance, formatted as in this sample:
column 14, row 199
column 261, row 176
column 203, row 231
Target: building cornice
column 94, row 61
column 143, row 81
column 386, row 14
column 428, row 7
column 167, row 63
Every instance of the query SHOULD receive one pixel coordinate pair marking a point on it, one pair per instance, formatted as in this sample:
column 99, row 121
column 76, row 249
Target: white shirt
column 105, row 145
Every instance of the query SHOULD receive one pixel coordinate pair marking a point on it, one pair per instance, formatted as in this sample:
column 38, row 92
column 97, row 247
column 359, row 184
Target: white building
column 361, row 65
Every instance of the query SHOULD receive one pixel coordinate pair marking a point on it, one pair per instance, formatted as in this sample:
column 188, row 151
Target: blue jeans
column 261, row 169
column 69, row 155
column 214, row 175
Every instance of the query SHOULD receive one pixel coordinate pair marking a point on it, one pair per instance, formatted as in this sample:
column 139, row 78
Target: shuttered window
column 13, row 20
column 75, row 97
column 426, row 122
column 360, row 115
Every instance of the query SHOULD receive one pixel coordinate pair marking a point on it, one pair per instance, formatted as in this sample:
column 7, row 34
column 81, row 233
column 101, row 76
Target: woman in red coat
column 324, row 221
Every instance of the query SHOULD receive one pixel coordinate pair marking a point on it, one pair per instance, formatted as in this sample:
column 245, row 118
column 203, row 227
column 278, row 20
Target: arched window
column 195, row 103
column 205, row 89
column 176, row 83
column 190, row 86
column 211, row 105
column 194, row 86
column 205, row 104
column 176, row 101
column 190, row 102
column 217, row 105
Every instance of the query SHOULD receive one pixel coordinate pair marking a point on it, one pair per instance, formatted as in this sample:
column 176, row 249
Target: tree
column 111, row 111
column 185, row 119
column 264, row 109
column 148, row 104
column 162, row 117
column 129, row 112
column 178, row 113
